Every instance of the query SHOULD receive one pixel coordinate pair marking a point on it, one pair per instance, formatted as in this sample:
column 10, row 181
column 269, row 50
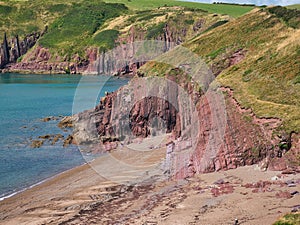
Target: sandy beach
column 144, row 196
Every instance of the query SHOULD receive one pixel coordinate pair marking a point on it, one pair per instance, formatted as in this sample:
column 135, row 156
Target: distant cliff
column 110, row 44
column 11, row 50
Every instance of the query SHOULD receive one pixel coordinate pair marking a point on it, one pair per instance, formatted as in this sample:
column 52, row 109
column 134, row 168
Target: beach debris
column 288, row 171
column 150, row 223
column 222, row 189
column 283, row 194
column 275, row 178
column 290, row 183
column 296, row 208
column 295, row 193
column 220, row 181
column 260, row 186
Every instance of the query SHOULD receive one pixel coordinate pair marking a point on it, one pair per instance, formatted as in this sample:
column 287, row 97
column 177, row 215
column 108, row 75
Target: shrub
column 217, row 24
column 106, row 39
column 5, row 10
column 155, row 30
column 290, row 16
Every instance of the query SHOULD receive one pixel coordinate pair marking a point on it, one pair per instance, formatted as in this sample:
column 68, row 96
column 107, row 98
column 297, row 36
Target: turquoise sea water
column 24, row 101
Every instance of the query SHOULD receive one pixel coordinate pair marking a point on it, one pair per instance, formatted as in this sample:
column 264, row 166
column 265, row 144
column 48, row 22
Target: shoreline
column 2, row 198
column 45, row 72
column 42, row 194
column 80, row 195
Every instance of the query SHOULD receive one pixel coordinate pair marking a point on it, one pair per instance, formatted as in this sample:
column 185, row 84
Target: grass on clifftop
column 267, row 80
column 23, row 17
column 73, row 32
column 232, row 10
column 297, row 6
column 73, row 26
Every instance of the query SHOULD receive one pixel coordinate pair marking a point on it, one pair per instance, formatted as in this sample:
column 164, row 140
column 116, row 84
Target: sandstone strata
column 207, row 137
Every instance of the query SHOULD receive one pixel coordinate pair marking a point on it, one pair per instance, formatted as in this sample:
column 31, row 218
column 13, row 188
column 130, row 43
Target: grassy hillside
column 232, row 10
column 297, row 6
column 73, row 32
column 22, row 17
column 267, row 80
column 73, row 26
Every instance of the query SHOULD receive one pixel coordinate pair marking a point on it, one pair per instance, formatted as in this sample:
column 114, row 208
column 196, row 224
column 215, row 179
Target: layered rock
column 12, row 49
column 141, row 109
column 127, row 58
column 207, row 137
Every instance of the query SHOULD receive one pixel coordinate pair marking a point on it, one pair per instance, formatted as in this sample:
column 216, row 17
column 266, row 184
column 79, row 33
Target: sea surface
column 24, row 101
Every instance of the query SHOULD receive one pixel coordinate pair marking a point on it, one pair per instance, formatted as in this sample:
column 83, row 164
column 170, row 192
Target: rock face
column 127, row 114
column 124, row 59
column 12, row 49
column 38, row 61
column 247, row 140
column 170, row 31
column 206, row 139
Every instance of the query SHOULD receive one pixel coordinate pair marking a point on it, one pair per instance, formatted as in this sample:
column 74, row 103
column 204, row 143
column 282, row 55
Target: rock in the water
column 36, row 143
column 56, row 138
column 66, row 122
column 47, row 136
column 46, row 119
column 68, row 141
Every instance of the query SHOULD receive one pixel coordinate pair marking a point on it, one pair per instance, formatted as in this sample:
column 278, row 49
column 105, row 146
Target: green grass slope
column 297, row 6
column 232, row 10
column 268, row 78
column 73, row 32
column 24, row 17
column 73, row 26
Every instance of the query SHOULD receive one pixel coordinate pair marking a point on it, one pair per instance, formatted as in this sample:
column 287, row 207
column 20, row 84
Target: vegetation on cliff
column 73, row 26
column 73, row 32
column 267, row 79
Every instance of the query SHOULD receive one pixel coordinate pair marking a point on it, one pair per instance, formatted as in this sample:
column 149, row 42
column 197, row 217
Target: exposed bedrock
column 127, row 58
column 246, row 140
column 141, row 109
column 12, row 49
column 215, row 133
